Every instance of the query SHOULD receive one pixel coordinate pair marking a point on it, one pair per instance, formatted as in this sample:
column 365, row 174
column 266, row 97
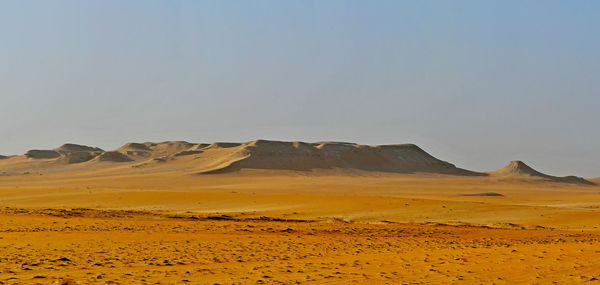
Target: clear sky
column 476, row 83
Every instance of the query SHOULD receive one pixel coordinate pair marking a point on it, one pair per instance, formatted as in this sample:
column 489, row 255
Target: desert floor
column 289, row 228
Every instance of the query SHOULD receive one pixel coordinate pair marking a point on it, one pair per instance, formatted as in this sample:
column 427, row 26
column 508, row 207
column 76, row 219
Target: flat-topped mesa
column 272, row 147
column 67, row 153
column 321, row 157
column 170, row 148
column 136, row 150
column 518, row 169
column 77, row 157
column 112, row 156
column 42, row 154
column 413, row 155
column 148, row 149
column 71, row 148
column 223, row 145
column 195, row 149
column 279, row 155
column 199, row 146
column 134, row 146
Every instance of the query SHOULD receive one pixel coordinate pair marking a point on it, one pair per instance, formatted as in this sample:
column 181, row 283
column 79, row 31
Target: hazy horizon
column 474, row 83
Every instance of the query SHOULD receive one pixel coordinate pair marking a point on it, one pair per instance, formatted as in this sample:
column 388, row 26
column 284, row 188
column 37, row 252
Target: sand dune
column 137, row 150
column 74, row 148
column 112, row 156
column 223, row 145
column 519, row 170
column 267, row 155
column 42, row 154
column 170, row 148
column 315, row 180
column 77, row 157
column 153, row 150
column 299, row 156
column 275, row 212
column 339, row 158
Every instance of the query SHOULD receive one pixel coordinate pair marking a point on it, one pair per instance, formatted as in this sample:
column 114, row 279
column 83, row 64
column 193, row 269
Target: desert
column 299, row 142
column 276, row 212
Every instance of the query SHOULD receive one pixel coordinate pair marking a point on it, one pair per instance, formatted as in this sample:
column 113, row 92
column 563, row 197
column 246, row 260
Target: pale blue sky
column 476, row 83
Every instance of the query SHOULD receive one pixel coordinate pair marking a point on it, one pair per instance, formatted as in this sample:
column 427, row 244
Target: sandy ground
column 167, row 228
column 113, row 247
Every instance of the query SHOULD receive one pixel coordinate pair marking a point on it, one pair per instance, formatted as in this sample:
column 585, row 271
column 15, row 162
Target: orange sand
column 147, row 221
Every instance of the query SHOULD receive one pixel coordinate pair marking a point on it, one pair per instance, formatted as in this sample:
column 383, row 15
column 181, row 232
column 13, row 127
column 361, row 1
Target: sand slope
column 299, row 156
column 260, row 154
column 73, row 148
column 288, row 213
column 331, row 158
column 519, row 170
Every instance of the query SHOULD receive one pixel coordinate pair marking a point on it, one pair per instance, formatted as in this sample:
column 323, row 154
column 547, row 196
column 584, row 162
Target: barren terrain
column 124, row 217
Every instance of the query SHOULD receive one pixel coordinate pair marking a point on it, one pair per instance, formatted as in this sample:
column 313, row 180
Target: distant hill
column 338, row 158
column 300, row 156
column 518, row 169
column 72, row 148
